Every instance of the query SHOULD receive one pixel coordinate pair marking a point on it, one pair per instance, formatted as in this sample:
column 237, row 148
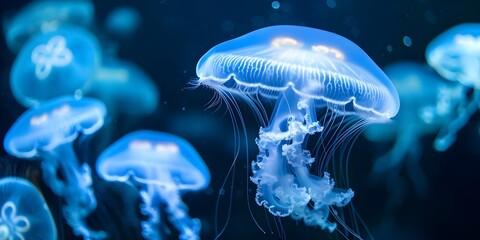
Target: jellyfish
column 46, row 16
column 47, row 133
column 428, row 102
column 123, row 21
column 163, row 166
column 61, row 62
column 455, row 55
column 124, row 88
column 23, row 212
column 308, row 73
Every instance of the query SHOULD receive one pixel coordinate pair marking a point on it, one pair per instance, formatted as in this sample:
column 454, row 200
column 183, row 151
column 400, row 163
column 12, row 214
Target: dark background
column 172, row 37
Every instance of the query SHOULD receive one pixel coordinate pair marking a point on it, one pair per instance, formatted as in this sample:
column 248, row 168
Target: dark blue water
column 173, row 35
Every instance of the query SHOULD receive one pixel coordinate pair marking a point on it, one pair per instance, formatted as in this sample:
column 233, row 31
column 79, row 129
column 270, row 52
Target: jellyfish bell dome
column 46, row 16
column 54, row 123
column 150, row 157
column 454, row 54
column 61, row 62
column 23, row 211
column 316, row 64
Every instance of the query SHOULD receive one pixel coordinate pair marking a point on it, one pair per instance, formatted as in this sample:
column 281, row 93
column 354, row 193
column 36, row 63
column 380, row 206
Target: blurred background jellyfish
column 47, row 134
column 123, row 22
column 46, row 16
column 23, row 212
column 163, row 166
column 61, row 62
column 124, row 88
column 308, row 73
column 455, row 55
column 428, row 103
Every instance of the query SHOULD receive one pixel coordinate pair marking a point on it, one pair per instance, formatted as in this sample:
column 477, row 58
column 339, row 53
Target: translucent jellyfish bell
column 123, row 21
column 455, row 55
column 46, row 16
column 163, row 166
column 47, row 133
column 303, row 69
column 23, row 212
column 61, row 62
column 125, row 88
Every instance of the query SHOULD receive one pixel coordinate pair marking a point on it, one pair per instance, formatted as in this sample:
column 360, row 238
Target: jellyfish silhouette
column 307, row 72
column 61, row 62
column 123, row 22
column 46, row 16
column 428, row 102
column 47, row 134
column 455, row 55
column 163, row 166
column 124, row 88
column 23, row 212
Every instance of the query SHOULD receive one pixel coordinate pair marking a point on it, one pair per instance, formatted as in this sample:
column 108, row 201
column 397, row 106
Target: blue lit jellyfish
column 23, row 212
column 47, row 134
column 428, row 103
column 46, row 16
column 123, row 21
column 309, row 73
column 62, row 62
column 163, row 166
column 455, row 55
column 124, row 88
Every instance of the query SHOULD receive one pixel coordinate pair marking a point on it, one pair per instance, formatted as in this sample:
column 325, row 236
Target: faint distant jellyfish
column 46, row 16
column 428, row 103
column 124, row 88
column 62, row 62
column 163, row 166
column 47, row 133
column 23, row 212
column 123, row 21
column 455, row 55
column 304, row 70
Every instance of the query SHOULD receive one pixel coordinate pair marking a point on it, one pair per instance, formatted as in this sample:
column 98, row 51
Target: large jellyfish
column 428, row 103
column 163, row 166
column 304, row 70
column 53, row 64
column 23, row 212
column 47, row 134
column 455, row 55
column 46, row 16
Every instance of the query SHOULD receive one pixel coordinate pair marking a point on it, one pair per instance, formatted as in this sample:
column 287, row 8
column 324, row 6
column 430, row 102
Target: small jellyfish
column 124, row 88
column 163, row 166
column 123, row 21
column 455, row 55
column 61, row 62
column 23, row 212
column 307, row 73
column 46, row 16
column 47, row 134
column 428, row 103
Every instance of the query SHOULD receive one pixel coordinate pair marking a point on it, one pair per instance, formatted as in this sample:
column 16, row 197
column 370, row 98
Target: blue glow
column 123, row 21
column 46, row 16
column 407, row 41
column 275, row 5
column 62, row 62
column 162, row 165
column 334, row 64
column 47, row 133
column 125, row 88
column 305, row 70
column 23, row 212
column 428, row 104
column 454, row 55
